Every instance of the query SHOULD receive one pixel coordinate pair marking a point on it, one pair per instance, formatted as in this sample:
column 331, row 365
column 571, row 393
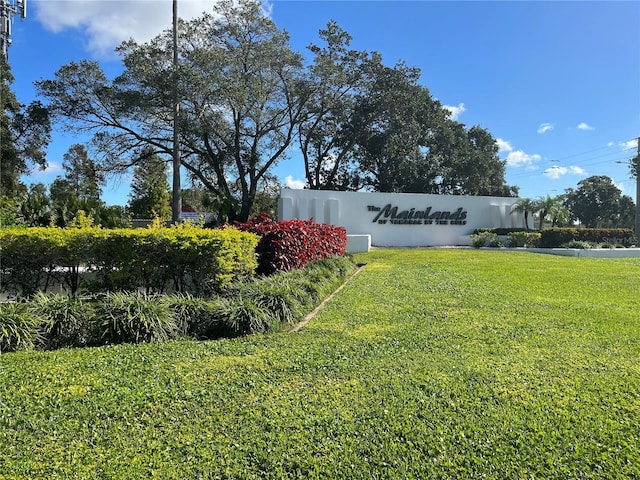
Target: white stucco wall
column 401, row 219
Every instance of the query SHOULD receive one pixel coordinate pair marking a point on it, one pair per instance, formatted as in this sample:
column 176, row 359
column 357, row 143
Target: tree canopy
column 150, row 195
column 598, row 202
column 79, row 188
column 25, row 132
column 245, row 98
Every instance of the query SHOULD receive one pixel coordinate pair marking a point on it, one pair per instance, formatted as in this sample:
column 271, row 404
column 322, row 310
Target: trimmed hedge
column 557, row 237
column 185, row 258
column 523, row 239
column 292, row 244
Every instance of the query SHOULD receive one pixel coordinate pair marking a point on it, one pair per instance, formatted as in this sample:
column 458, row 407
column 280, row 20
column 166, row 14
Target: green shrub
column 197, row 317
column 122, row 317
column 579, row 244
column 485, row 239
column 523, row 239
column 555, row 237
column 19, row 328
column 187, row 258
column 495, row 241
column 65, row 321
column 279, row 295
column 29, row 257
column 246, row 317
column 477, row 240
column 500, row 230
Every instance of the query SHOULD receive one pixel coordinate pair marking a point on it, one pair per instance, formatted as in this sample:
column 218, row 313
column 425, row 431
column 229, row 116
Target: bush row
column 51, row 321
column 185, row 258
column 518, row 238
column 553, row 237
column 503, row 231
column 557, row 237
column 292, row 244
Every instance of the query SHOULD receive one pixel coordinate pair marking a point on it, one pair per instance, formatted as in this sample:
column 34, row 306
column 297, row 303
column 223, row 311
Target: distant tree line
column 596, row 203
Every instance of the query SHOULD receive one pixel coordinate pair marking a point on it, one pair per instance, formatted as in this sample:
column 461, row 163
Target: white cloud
column 556, row 172
column 107, row 23
column 503, row 145
column 52, row 169
column 520, row 159
column 292, row 183
column 585, row 126
column 629, row 145
column 455, row 111
column 545, row 127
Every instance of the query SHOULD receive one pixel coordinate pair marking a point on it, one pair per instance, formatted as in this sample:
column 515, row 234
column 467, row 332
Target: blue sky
column 556, row 83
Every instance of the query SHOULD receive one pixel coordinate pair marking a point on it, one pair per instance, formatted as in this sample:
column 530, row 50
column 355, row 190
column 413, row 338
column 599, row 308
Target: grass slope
column 429, row 364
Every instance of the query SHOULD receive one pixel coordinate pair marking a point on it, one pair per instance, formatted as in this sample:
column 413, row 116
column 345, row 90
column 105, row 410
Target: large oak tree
column 238, row 83
column 598, row 202
column 329, row 128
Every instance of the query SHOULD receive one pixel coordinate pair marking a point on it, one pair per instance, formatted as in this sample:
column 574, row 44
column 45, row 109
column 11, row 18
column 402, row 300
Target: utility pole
column 9, row 8
column 176, row 203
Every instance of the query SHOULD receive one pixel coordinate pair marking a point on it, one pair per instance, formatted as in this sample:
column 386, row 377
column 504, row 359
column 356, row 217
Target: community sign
column 401, row 219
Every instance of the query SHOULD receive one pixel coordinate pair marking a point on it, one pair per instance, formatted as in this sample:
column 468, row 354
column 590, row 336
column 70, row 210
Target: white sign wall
column 401, row 219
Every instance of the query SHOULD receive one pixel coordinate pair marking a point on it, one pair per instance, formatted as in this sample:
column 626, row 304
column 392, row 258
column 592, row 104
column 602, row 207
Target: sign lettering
column 392, row 215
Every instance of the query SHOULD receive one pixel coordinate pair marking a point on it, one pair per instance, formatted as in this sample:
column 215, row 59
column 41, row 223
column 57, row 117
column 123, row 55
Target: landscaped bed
column 431, row 363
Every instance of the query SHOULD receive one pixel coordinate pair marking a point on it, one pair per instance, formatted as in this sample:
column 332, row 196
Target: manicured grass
column 429, row 364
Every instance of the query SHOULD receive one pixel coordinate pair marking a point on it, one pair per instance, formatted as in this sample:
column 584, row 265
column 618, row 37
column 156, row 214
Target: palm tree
column 524, row 206
column 546, row 206
column 559, row 214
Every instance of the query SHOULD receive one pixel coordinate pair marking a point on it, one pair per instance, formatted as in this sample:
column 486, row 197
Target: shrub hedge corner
column 292, row 244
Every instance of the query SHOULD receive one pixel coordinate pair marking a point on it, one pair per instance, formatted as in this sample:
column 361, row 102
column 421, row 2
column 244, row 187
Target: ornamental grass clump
column 65, row 321
column 133, row 318
column 259, row 305
column 19, row 328
column 200, row 318
column 279, row 295
column 247, row 317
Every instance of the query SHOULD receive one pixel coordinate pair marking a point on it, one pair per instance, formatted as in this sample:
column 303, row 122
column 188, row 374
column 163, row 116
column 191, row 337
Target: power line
column 609, row 157
column 597, row 150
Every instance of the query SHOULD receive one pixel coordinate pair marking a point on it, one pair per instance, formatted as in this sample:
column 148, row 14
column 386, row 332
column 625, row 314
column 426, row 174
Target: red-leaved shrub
column 291, row 244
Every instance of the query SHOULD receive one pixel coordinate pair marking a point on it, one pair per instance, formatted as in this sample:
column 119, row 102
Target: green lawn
column 431, row 363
